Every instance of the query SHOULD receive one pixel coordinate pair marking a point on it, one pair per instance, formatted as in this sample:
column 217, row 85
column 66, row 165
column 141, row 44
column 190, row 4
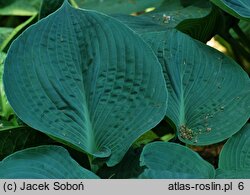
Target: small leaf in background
column 16, row 15
column 206, row 88
column 5, row 109
column 4, row 33
column 238, row 8
column 43, row 162
column 7, row 118
column 234, row 161
column 87, row 80
column 19, row 7
column 165, row 160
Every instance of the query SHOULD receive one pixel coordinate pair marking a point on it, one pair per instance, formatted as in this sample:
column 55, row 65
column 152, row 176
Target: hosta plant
column 107, row 89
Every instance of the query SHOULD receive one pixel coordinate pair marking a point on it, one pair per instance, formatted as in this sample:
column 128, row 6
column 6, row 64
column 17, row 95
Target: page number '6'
column 241, row 186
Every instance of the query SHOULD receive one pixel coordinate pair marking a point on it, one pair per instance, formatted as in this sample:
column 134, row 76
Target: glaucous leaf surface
column 43, row 162
column 87, row 80
column 206, row 88
column 232, row 174
column 234, row 159
column 173, row 161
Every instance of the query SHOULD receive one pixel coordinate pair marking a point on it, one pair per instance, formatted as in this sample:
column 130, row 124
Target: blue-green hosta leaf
column 206, row 88
column 170, row 160
column 232, row 174
column 118, row 6
column 142, row 24
column 86, row 79
column 234, row 157
column 238, row 8
column 43, row 162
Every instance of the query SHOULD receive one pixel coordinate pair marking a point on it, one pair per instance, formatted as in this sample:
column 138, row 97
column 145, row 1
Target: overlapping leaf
column 43, row 162
column 196, row 18
column 232, row 174
column 234, row 161
column 117, row 6
column 87, row 80
column 172, row 12
column 209, row 93
column 238, row 8
column 173, row 161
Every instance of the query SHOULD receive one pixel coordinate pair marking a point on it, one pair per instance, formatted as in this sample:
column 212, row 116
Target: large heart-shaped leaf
column 209, row 92
column 238, row 8
column 173, row 161
column 234, row 158
column 86, row 79
column 43, row 162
